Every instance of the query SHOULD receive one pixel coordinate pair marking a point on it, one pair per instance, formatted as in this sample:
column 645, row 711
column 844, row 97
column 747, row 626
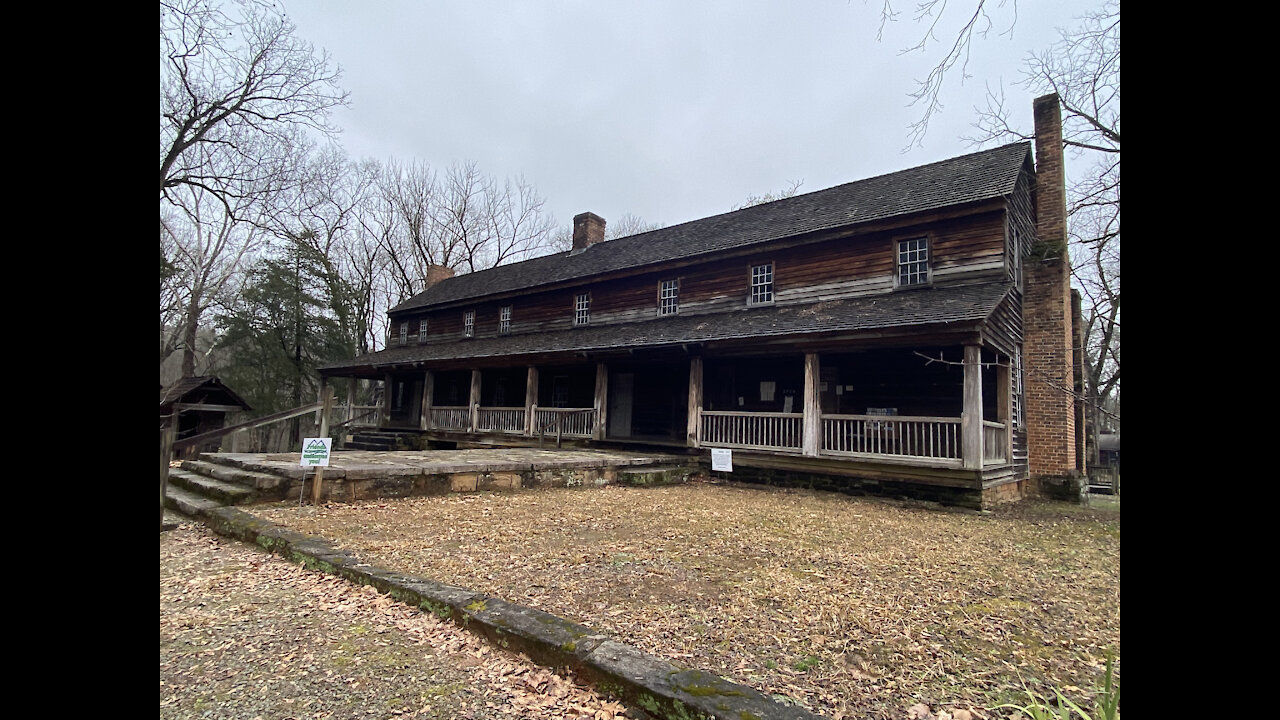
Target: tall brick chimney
column 1047, row 326
column 434, row 274
column 588, row 229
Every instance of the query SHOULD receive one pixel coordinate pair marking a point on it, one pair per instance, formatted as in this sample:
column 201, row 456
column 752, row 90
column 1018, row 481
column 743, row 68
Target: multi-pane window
column 404, row 333
column 422, row 330
column 913, row 262
column 504, row 319
column 668, row 297
column 582, row 309
column 469, row 323
column 761, row 284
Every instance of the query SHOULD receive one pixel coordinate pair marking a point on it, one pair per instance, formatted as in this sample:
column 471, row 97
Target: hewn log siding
column 963, row 250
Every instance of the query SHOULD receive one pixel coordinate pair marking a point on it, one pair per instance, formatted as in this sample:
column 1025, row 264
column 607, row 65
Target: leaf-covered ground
column 851, row 607
column 245, row 635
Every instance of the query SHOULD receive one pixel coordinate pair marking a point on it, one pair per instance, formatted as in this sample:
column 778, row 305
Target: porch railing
column 922, row 437
column 500, row 419
column 567, row 422
column 753, row 430
column 446, row 417
column 994, row 441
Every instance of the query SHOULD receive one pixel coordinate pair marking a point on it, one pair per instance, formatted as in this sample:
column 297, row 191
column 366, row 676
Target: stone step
column 656, row 474
column 363, row 443
column 224, row 492
column 187, row 502
column 258, row 481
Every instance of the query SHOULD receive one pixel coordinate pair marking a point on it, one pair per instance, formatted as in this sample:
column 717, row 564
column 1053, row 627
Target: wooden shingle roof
column 964, row 304
column 968, row 178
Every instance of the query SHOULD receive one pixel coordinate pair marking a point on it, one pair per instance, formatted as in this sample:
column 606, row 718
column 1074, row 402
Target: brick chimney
column 435, row 273
column 1047, row 317
column 588, row 229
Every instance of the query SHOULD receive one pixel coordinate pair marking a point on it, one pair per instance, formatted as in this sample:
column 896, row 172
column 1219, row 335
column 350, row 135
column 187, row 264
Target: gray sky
column 670, row 110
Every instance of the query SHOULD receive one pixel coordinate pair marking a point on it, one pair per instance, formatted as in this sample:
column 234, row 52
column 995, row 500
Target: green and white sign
column 315, row 452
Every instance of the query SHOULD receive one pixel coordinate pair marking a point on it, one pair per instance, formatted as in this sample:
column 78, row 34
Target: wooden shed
column 202, row 404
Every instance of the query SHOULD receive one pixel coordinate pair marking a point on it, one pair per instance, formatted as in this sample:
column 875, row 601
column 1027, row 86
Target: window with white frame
column 422, row 330
column 761, row 284
column 668, row 297
column 582, row 309
column 404, row 333
column 469, row 323
column 913, row 261
column 504, row 319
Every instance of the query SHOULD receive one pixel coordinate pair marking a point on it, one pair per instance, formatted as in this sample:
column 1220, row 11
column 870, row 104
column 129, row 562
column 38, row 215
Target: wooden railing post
column 812, row 427
column 530, row 398
column 601, row 401
column 326, row 406
column 428, row 389
column 971, row 417
column 694, row 431
column 167, row 432
column 475, row 400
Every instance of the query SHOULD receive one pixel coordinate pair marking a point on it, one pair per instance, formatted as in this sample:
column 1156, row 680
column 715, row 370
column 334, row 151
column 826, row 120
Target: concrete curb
column 662, row 688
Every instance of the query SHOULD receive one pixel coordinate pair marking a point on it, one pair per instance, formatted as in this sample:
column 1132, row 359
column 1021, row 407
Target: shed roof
column 969, row 178
column 200, row 389
column 925, row 307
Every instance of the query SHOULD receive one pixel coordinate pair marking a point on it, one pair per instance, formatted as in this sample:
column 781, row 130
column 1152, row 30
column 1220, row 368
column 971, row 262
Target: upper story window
column 761, row 284
column 469, row 323
column 404, row 333
column 504, row 319
column 422, row 330
column 582, row 309
column 668, row 297
column 913, row 262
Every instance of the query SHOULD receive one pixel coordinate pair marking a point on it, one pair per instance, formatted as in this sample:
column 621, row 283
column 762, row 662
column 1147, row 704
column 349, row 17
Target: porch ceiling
column 916, row 311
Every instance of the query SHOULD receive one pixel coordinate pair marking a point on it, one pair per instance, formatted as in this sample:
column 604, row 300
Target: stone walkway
column 381, row 465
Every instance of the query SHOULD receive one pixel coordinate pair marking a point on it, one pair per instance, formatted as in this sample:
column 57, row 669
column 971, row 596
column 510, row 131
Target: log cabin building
column 909, row 333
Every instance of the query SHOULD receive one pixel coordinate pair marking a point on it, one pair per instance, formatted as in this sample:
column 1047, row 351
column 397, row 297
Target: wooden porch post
column 695, row 402
column 971, row 417
column 530, row 398
column 475, row 400
column 1004, row 406
column 326, row 399
column 812, row 406
column 167, row 432
column 428, row 388
column 602, row 400
column 384, row 411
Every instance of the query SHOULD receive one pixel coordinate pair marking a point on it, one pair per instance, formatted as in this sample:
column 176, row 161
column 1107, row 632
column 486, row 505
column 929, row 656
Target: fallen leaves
column 844, row 605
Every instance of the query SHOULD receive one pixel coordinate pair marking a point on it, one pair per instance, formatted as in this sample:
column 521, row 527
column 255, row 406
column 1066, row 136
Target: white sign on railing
column 722, row 459
column 315, row 452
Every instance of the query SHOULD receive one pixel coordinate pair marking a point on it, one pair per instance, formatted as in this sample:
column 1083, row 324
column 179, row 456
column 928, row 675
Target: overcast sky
column 667, row 110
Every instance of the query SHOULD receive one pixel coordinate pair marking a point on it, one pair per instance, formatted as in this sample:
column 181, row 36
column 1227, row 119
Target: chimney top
column 434, row 274
column 588, row 229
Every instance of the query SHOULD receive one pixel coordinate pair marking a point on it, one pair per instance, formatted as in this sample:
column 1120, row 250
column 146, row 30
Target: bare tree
column 930, row 13
column 770, row 196
column 236, row 89
column 464, row 220
column 207, row 246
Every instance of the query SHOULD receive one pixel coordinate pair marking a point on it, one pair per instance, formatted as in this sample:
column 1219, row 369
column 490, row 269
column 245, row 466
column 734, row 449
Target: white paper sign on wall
column 722, row 459
column 315, row 452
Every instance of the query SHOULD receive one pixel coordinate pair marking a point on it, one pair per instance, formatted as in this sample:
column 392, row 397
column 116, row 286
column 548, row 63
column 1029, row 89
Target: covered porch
column 927, row 406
